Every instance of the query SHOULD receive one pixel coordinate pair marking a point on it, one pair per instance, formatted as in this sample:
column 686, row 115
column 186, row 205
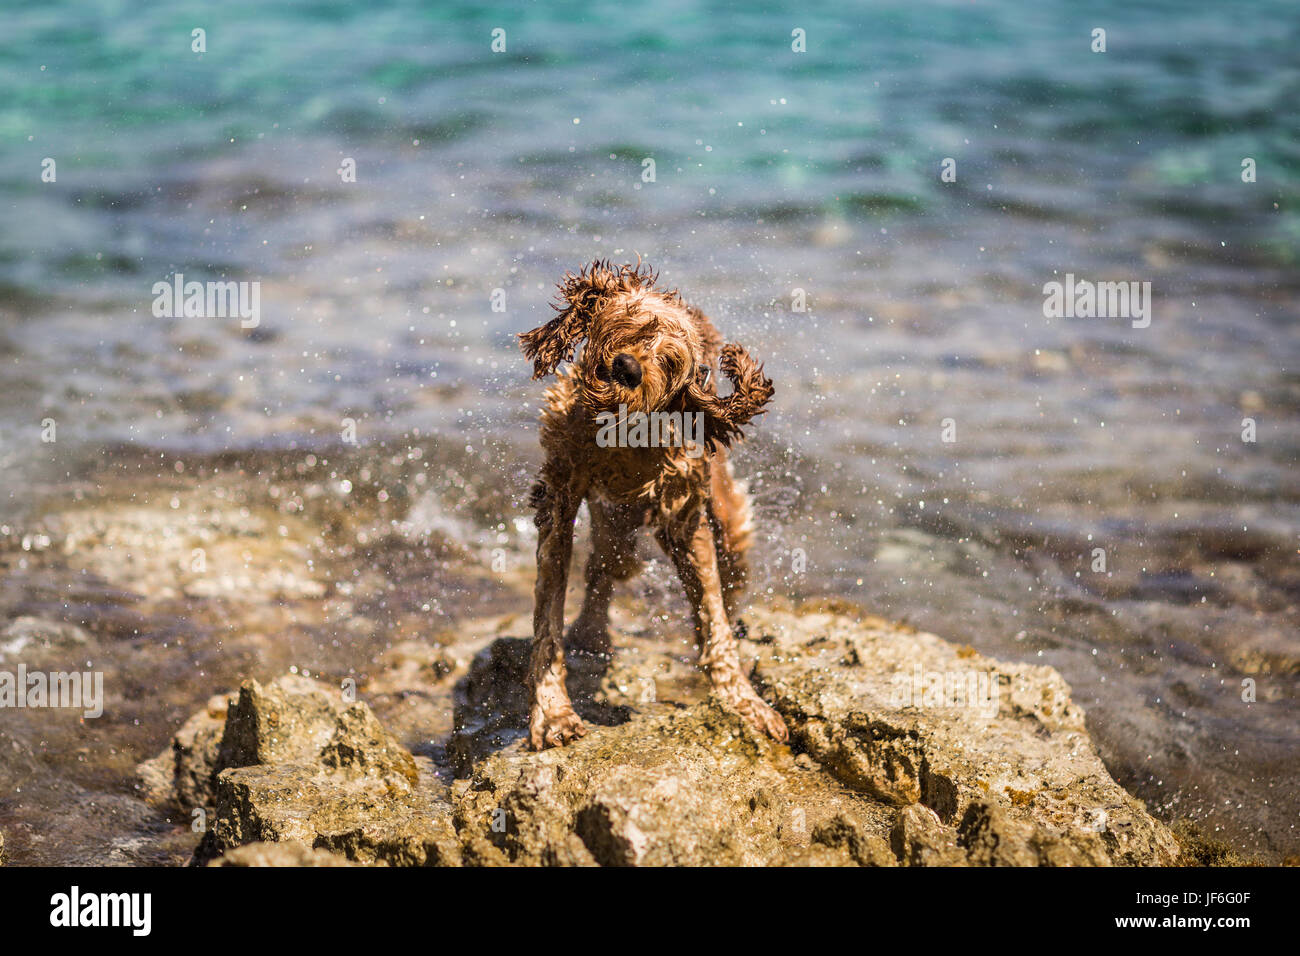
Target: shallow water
column 774, row 172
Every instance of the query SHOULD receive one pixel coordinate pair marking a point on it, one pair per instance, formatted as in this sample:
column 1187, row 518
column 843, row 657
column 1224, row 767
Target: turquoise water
column 482, row 170
column 774, row 171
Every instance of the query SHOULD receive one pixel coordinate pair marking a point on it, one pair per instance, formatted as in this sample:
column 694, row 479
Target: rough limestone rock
column 906, row 750
column 293, row 761
column 288, row 721
column 902, row 715
column 919, row 838
column 196, row 752
column 676, row 787
column 361, row 747
column 280, row 854
column 183, row 777
column 362, row 819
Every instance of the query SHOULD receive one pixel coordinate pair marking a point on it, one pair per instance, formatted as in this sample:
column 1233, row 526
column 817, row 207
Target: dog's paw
column 555, row 729
column 764, row 718
column 757, row 712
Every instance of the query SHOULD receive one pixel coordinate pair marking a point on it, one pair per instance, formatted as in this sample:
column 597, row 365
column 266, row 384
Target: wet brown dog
column 648, row 354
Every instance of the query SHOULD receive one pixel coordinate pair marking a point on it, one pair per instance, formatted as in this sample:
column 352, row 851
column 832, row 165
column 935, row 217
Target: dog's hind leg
column 613, row 558
column 553, row 720
column 688, row 540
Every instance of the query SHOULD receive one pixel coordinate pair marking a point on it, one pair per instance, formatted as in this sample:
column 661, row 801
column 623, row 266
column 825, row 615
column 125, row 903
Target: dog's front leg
column 689, row 543
column 552, row 721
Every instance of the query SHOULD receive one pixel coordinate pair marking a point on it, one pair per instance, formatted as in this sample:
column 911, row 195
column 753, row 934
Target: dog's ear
column 579, row 299
column 725, row 418
column 550, row 344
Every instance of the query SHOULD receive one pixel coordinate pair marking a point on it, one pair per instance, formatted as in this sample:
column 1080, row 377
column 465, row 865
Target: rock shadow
column 491, row 702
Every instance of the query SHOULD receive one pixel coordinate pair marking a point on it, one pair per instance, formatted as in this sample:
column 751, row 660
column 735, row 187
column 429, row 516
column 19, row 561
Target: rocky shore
column 906, row 750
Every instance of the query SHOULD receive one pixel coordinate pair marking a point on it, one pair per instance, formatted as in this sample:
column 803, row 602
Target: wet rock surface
column 997, row 750
column 998, row 773
column 692, row 786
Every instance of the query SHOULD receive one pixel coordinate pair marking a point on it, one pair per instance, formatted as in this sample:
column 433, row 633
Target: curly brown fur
column 646, row 351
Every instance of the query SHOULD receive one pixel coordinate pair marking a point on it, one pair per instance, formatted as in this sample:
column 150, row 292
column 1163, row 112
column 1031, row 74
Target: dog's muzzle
column 625, row 370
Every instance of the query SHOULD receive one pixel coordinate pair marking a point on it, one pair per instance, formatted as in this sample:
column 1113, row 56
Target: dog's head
column 647, row 350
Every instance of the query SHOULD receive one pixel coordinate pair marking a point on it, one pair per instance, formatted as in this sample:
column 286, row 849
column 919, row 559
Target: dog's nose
column 625, row 370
